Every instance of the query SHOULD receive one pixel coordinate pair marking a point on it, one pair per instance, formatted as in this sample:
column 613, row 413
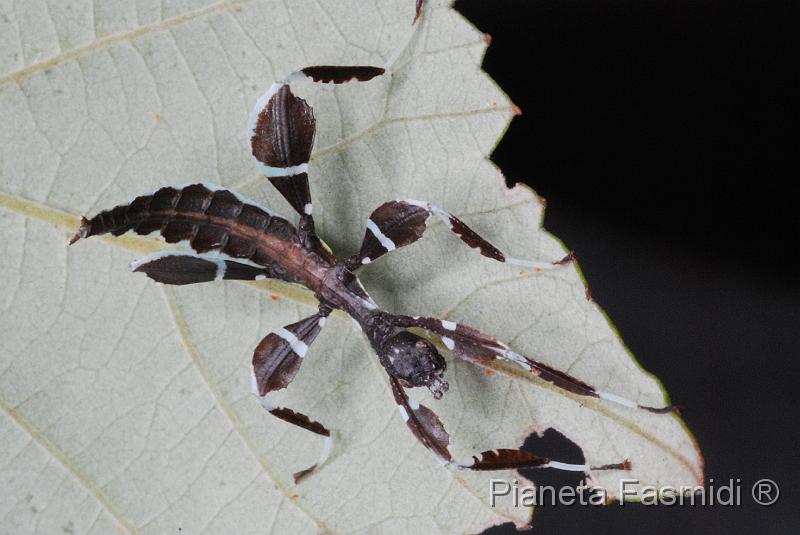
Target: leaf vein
column 73, row 470
column 105, row 42
column 226, row 409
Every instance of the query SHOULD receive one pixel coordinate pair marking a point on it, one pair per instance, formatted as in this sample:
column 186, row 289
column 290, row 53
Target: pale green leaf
column 125, row 406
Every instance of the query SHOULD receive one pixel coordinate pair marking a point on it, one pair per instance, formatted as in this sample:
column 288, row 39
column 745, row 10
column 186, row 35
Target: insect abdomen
column 207, row 217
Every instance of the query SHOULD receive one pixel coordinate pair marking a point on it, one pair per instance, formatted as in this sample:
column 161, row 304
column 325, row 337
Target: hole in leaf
column 557, row 447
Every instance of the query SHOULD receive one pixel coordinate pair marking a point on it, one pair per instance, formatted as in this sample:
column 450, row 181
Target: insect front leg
column 430, row 431
column 276, row 361
column 402, row 222
column 478, row 348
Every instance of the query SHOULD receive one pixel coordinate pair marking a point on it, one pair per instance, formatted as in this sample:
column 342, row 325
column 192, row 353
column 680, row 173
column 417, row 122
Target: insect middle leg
column 276, row 361
column 278, row 356
column 402, row 222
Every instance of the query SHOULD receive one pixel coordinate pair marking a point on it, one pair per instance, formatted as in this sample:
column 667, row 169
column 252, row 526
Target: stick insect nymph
column 223, row 235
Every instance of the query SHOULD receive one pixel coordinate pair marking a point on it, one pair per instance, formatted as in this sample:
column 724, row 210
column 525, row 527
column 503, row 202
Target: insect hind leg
column 281, row 126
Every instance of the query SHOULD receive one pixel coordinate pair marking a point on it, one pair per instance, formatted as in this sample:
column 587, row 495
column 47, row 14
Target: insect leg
column 179, row 268
column 420, row 4
column 276, row 361
column 402, row 222
column 473, row 346
column 430, row 431
column 281, row 126
column 390, row 226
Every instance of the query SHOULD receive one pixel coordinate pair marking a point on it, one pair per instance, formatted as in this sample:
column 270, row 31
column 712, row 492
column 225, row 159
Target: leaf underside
column 126, row 405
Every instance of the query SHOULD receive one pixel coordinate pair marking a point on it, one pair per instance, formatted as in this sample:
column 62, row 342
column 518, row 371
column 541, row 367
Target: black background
column 663, row 136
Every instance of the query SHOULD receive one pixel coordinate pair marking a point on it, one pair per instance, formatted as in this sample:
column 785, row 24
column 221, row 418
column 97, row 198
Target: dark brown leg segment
column 473, row 346
column 276, row 362
column 430, row 431
column 395, row 224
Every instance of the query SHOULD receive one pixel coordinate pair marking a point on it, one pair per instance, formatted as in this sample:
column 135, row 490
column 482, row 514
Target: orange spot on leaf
column 158, row 116
column 275, row 297
column 488, row 372
column 294, row 496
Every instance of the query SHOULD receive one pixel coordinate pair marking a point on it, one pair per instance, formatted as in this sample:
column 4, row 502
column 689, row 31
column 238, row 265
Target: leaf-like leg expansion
column 179, row 268
column 430, row 431
column 402, row 222
column 390, row 226
column 281, row 126
column 276, row 362
column 473, row 346
column 282, row 129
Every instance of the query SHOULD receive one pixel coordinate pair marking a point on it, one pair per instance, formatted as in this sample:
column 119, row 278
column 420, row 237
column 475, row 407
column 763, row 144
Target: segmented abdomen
column 207, row 217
